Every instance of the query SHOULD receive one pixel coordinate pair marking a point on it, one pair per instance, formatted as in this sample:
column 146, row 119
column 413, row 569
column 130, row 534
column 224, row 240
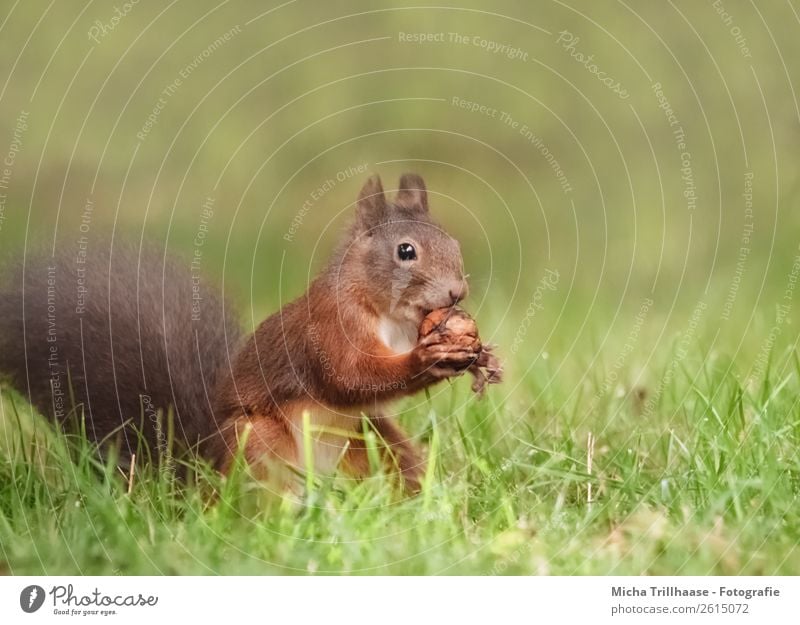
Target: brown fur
column 326, row 354
column 133, row 354
column 324, row 349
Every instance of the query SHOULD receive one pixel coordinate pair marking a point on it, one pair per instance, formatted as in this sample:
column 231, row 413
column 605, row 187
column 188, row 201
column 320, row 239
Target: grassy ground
column 695, row 473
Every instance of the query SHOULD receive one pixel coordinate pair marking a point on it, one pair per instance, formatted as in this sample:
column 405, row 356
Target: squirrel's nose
column 458, row 291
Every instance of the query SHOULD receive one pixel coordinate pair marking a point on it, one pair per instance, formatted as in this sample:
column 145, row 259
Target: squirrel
column 334, row 358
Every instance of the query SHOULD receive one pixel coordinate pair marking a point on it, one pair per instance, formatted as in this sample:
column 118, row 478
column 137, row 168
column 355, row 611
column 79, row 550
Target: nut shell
column 456, row 326
column 451, row 321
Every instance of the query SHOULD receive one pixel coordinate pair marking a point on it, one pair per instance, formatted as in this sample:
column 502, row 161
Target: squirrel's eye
column 406, row 251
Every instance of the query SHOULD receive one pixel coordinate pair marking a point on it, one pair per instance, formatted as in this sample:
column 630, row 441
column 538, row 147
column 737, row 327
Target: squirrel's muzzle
column 458, row 291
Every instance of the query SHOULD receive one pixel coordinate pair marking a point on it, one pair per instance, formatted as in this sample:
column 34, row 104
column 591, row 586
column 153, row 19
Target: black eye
column 406, row 251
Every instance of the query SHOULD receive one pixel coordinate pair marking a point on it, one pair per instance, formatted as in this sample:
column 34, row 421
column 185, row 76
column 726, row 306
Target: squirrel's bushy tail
column 118, row 338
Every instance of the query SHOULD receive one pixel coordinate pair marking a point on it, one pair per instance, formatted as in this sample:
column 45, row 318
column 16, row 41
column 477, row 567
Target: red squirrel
column 350, row 345
column 340, row 353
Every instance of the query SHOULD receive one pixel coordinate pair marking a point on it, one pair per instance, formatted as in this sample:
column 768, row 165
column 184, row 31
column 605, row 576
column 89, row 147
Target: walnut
column 453, row 324
column 457, row 326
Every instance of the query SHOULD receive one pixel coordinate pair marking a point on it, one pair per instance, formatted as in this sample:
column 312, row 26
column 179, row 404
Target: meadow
column 629, row 222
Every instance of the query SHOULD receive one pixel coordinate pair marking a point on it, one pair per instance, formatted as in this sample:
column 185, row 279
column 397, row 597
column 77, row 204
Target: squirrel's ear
column 412, row 192
column 371, row 205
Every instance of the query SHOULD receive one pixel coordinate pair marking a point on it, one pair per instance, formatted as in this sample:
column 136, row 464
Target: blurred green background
column 257, row 105
column 623, row 180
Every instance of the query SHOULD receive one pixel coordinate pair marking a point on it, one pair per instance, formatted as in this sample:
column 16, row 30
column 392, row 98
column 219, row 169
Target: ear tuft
column 371, row 205
column 412, row 193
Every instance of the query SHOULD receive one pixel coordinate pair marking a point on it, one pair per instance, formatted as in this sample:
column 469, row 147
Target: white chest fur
column 399, row 336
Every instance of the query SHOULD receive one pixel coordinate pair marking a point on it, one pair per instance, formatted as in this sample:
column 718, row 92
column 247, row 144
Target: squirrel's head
column 404, row 262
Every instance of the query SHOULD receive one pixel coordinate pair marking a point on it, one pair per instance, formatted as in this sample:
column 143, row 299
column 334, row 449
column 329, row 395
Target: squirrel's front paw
column 444, row 359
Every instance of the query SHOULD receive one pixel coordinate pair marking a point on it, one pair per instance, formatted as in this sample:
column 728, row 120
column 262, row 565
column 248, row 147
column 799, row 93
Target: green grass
column 699, row 478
